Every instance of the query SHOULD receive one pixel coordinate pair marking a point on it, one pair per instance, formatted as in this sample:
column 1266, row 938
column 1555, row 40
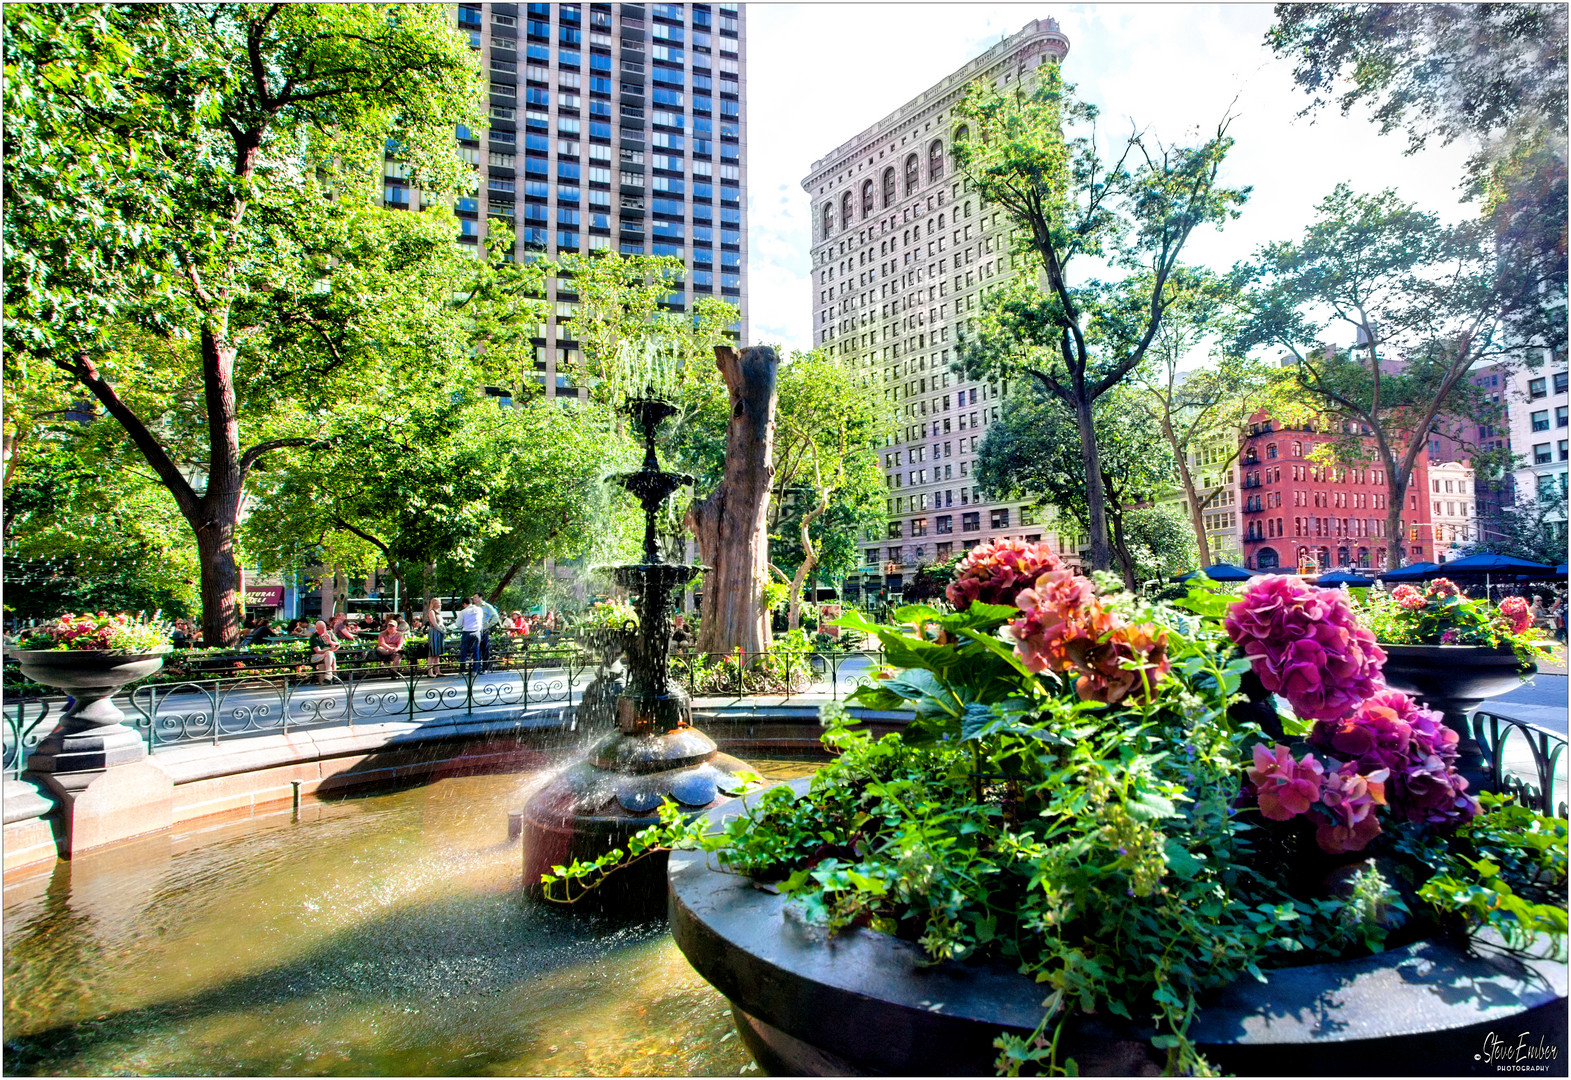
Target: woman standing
column 434, row 628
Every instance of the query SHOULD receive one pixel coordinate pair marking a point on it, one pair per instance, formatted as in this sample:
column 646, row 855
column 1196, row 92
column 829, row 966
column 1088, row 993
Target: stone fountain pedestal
column 599, row 802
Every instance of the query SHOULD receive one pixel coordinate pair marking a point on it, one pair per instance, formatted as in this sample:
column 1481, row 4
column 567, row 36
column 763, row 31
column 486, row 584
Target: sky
column 818, row 74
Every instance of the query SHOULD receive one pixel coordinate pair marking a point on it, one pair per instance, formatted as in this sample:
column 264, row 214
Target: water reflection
column 381, row 934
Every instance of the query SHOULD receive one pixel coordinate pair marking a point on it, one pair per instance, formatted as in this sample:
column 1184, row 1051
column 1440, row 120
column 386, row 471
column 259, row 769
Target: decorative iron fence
column 1500, row 736
column 271, row 694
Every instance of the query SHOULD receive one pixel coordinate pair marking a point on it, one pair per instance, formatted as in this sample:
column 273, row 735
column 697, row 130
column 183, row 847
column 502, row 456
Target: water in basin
column 380, row 934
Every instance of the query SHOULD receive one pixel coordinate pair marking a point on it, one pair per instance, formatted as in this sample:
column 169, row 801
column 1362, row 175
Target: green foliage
column 1425, row 302
column 1034, row 451
column 1505, row 869
column 1030, row 153
column 1491, row 74
column 1100, row 849
column 1445, row 617
column 404, row 482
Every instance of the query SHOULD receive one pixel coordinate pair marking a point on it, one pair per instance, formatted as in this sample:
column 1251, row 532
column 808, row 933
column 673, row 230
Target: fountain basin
column 615, row 791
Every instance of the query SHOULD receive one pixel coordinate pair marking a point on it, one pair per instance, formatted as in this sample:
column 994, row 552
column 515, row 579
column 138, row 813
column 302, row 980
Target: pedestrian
column 681, row 636
column 471, row 627
column 435, row 628
column 493, row 619
column 324, row 652
column 390, row 645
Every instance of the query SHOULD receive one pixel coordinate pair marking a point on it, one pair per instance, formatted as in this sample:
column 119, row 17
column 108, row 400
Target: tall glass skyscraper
column 612, row 127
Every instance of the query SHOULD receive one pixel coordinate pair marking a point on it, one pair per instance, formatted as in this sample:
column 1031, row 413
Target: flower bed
column 1073, row 800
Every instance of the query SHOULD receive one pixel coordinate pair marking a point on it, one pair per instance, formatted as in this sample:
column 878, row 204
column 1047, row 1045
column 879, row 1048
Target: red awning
column 265, row 595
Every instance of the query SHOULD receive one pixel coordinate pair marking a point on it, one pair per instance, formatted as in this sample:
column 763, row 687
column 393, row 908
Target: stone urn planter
column 1455, row 680
column 92, row 733
column 865, row 1003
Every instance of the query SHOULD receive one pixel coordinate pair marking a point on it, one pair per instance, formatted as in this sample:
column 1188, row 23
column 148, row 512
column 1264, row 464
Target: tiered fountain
column 598, row 802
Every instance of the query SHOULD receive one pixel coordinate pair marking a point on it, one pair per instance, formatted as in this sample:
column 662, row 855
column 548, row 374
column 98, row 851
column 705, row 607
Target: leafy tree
column 1203, row 407
column 1077, row 340
column 1033, row 452
column 194, row 194
column 1421, row 298
column 88, row 528
column 1533, row 529
column 460, row 481
column 1493, row 75
column 827, row 430
column 628, row 340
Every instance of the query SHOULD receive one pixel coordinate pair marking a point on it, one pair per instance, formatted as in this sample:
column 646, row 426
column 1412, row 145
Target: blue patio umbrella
column 1343, row 577
column 1560, row 571
column 1419, row 571
column 1487, row 564
column 1219, row 572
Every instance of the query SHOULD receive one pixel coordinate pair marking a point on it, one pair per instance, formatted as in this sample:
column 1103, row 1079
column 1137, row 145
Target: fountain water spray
column 655, row 754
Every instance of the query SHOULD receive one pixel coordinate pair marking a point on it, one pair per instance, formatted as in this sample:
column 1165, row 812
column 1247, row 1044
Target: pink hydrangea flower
column 1393, row 734
column 1408, row 597
column 997, row 572
column 1286, row 787
column 1348, row 798
column 1443, row 587
column 1514, row 608
column 1306, row 644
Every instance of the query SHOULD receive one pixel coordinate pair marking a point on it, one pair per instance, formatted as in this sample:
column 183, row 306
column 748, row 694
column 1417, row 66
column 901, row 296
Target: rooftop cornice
column 1035, row 33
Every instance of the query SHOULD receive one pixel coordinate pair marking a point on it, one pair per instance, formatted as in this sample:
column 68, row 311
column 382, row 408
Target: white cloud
column 820, row 74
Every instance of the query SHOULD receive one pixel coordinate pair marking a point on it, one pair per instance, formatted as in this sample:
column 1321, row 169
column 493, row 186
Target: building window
column 1560, row 382
column 1560, row 417
column 971, row 522
column 935, row 160
column 944, row 524
column 1541, row 454
column 918, row 526
column 867, row 199
column 1541, row 420
column 846, row 207
column 913, row 177
column 889, row 187
column 999, row 519
column 1537, row 388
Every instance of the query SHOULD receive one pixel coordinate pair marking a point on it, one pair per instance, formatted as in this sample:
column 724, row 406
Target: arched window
column 829, row 219
column 962, row 133
column 1298, row 448
column 1271, row 451
column 1267, row 559
column 889, row 187
column 913, row 176
column 847, row 207
column 935, row 160
column 867, row 199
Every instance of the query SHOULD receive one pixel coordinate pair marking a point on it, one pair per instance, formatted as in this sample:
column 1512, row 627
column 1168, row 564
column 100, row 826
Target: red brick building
column 1295, row 512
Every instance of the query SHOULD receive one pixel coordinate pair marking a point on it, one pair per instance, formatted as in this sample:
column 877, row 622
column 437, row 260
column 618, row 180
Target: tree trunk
column 1191, row 496
column 220, row 583
column 805, row 572
column 1120, row 549
column 1396, row 495
column 732, row 523
column 1096, row 494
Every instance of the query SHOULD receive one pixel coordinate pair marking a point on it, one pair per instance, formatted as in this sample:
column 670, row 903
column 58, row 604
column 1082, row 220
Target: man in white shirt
column 471, row 624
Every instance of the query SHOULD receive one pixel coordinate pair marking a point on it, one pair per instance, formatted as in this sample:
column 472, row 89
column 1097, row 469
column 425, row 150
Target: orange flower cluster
column 1066, row 629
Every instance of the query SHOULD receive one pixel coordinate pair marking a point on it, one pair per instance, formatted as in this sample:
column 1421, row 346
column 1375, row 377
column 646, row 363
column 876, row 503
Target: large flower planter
column 863, row 1003
column 1455, row 680
column 92, row 733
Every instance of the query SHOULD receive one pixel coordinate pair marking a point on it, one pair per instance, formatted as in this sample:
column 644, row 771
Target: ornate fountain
column 599, row 801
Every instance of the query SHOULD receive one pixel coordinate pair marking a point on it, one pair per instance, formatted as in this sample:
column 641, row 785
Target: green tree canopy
column 1421, row 300
column 194, row 200
column 1034, row 452
column 1033, row 153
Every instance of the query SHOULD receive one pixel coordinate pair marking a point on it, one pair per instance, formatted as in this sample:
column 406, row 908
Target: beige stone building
column 902, row 250
column 1453, row 511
